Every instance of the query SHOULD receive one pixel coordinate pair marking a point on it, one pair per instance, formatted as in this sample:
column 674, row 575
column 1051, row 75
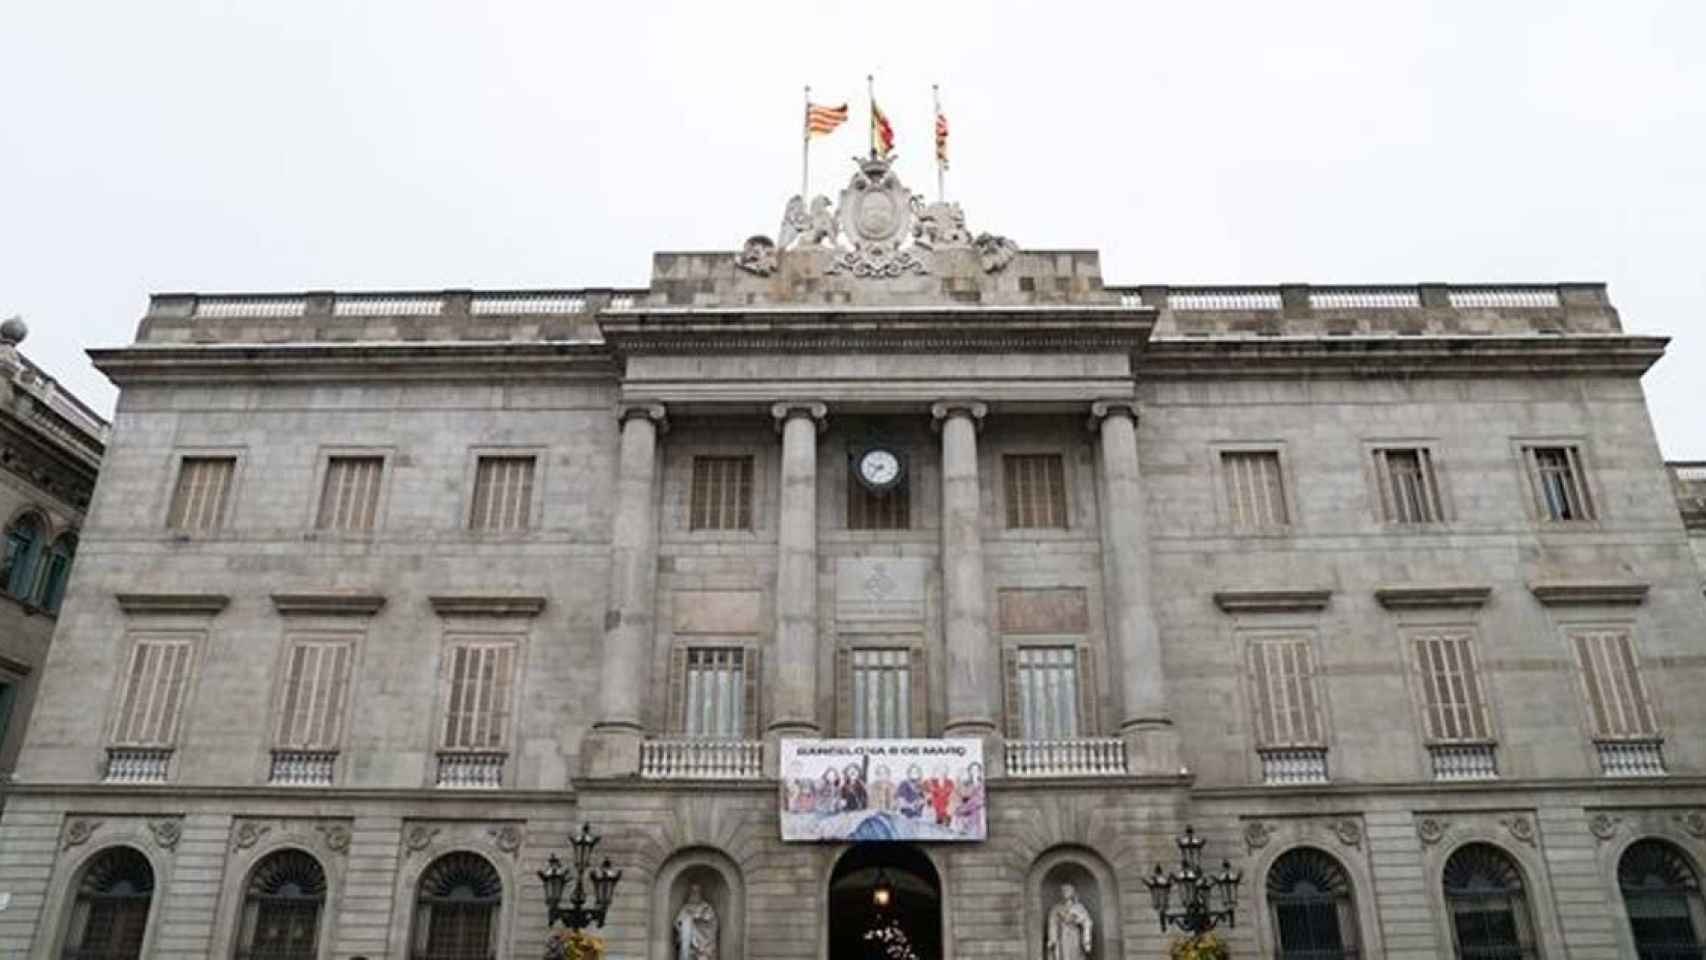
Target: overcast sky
column 166, row 146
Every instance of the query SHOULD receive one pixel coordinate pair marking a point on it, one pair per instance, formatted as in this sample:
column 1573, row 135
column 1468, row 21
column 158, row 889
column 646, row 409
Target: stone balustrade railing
column 403, row 304
column 1689, row 482
column 471, row 770
column 695, row 759
column 138, row 764
column 1463, row 761
column 1288, row 766
column 1078, row 757
column 303, row 768
column 1631, row 758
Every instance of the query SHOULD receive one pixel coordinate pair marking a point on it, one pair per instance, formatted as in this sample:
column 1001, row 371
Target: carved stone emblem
column 806, row 229
column 1603, row 825
column 419, row 837
column 995, row 252
column 1256, row 835
column 1520, row 827
column 1349, row 831
column 940, row 226
column 507, row 838
column 167, row 833
column 758, row 256
column 248, row 834
column 79, row 831
column 1430, row 830
column 337, row 836
column 1694, row 822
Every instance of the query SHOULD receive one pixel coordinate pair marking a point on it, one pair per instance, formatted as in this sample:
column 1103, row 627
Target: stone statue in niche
column 696, row 927
column 1069, row 928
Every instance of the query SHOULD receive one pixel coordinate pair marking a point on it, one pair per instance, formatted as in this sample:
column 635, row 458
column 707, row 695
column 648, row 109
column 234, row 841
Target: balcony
column 471, row 771
column 1463, row 761
column 1291, row 766
column 1079, row 757
column 1631, row 758
column 696, row 759
column 138, row 764
column 302, row 768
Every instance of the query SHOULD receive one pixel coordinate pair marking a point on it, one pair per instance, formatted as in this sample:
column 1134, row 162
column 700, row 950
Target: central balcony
column 1078, row 757
column 702, row 759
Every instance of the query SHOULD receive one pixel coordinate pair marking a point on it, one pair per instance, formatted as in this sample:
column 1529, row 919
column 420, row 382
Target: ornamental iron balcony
column 1078, row 757
column 702, row 759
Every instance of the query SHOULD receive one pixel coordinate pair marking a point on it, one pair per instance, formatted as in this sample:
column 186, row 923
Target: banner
column 883, row 790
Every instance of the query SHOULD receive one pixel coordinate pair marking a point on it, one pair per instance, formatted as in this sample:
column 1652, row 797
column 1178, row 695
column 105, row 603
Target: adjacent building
column 1382, row 589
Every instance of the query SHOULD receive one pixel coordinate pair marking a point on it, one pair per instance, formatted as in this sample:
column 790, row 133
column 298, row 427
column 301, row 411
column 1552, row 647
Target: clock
column 879, row 469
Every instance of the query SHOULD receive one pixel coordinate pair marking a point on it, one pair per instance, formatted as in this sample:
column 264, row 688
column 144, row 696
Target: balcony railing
column 1078, row 757
column 303, row 768
column 1286, row 766
column 1631, row 758
column 138, row 764
column 471, row 771
column 696, row 759
column 1463, row 761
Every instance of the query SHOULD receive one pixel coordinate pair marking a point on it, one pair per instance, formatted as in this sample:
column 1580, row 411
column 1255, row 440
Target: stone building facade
column 1384, row 590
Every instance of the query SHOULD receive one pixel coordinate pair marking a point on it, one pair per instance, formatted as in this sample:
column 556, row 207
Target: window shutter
column 843, row 691
column 1015, row 705
column 919, row 722
column 349, row 500
column 1615, row 691
column 199, row 500
column 478, row 710
column 750, row 674
column 503, row 494
column 1088, row 722
column 154, row 692
column 1283, row 693
column 316, row 681
column 1383, row 477
column 678, row 689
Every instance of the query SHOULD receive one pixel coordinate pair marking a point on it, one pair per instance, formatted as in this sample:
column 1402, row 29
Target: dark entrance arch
column 915, row 906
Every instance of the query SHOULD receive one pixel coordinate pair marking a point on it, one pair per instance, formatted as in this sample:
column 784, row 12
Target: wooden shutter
column 1015, row 707
column 199, row 500
column 1616, row 695
column 1255, row 488
column 1089, row 721
column 156, row 681
column 1283, row 684
column 1452, row 702
column 316, row 684
column 482, row 679
column 1560, row 483
column 750, row 680
column 918, row 724
column 721, row 494
column 1035, row 486
column 1408, row 490
column 349, row 498
column 678, row 689
column 503, row 494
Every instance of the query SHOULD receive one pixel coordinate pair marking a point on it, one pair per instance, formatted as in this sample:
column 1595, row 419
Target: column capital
column 651, row 411
column 944, row 410
column 786, row 410
column 1112, row 407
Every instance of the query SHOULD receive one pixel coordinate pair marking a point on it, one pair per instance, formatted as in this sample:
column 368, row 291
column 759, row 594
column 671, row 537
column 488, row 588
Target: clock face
column 879, row 469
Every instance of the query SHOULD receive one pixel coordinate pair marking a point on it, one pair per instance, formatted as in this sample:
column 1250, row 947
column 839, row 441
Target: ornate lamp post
column 1196, row 914
column 577, row 915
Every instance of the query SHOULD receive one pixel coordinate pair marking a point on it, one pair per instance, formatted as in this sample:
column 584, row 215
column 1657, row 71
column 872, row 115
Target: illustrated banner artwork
column 883, row 790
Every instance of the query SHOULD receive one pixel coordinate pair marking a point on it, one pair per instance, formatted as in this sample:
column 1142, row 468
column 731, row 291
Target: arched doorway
column 858, row 924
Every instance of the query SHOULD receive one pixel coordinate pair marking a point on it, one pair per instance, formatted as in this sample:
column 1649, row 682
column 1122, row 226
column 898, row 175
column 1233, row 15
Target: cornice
column 1271, row 601
column 487, row 605
column 1575, row 593
column 328, row 604
column 462, row 360
column 1419, row 598
column 1250, row 356
column 197, row 604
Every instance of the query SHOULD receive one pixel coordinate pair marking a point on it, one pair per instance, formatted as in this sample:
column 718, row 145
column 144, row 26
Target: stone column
column 974, row 670
column 1152, row 744
column 793, row 710
column 624, row 678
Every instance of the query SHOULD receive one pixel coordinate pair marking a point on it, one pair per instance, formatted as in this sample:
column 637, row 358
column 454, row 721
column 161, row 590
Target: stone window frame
column 1288, row 492
column 59, row 908
column 1410, row 631
column 1073, row 524
column 752, row 682
column 197, row 639
column 1479, row 827
column 1378, row 483
column 381, row 509
column 676, row 466
column 1089, row 719
column 450, row 634
column 314, row 629
column 1632, row 825
column 1582, row 458
column 285, row 834
column 1630, row 627
column 918, row 677
column 536, row 506
column 1288, row 833
column 233, row 496
column 1310, row 637
column 414, row 863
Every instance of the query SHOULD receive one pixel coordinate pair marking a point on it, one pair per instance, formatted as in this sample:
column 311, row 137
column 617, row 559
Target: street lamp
column 577, row 915
column 883, row 892
column 1196, row 915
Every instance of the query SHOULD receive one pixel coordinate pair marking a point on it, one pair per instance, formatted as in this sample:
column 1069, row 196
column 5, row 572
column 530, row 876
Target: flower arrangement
column 1205, row 946
column 892, row 941
column 574, row 945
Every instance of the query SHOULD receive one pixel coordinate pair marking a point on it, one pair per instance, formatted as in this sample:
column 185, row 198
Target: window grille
column 349, row 500
column 1560, row 483
column 456, row 909
column 109, row 919
column 1453, row 705
column 869, row 510
column 156, row 682
column 1283, row 682
column 503, row 494
column 714, row 701
column 1409, row 491
column 23, row 556
column 1049, row 687
column 1036, row 491
column 316, row 684
column 1616, row 696
column 1489, row 910
column 281, row 908
column 202, row 494
column 1661, row 894
column 1314, row 915
column 1255, row 490
column 482, row 680
column 722, row 494
column 882, row 693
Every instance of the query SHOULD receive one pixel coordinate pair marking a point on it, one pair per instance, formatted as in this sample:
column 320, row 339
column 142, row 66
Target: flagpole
column 936, row 94
column 871, row 98
column 806, row 143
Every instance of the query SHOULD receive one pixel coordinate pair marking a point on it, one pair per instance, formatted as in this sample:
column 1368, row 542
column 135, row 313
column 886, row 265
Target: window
column 1283, row 691
column 1616, row 697
column 1047, row 687
column 1314, row 917
column 1409, row 491
column 203, row 491
column 349, row 499
column 1452, row 703
column 869, row 510
column 1036, row 490
column 1560, row 483
column 23, row 556
column 722, row 494
column 281, row 908
column 156, row 682
column 1489, row 912
column 1661, row 894
column 8, row 700
column 316, row 682
column 503, row 494
column 109, row 918
column 482, row 679
column 714, row 690
column 456, row 909
column 57, row 572
column 1255, row 490
column 882, row 693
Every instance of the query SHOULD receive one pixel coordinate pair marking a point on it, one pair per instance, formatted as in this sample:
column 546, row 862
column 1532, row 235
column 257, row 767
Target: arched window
column 456, row 909
column 1489, row 911
column 1309, row 895
column 110, row 916
column 1662, row 895
column 281, row 908
column 58, row 570
column 23, row 556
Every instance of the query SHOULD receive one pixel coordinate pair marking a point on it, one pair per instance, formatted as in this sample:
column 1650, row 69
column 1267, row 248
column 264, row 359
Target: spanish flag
column 822, row 120
column 941, row 139
column 882, row 135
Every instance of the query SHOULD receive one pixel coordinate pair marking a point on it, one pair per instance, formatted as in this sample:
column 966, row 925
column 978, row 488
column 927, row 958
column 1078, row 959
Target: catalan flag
column 822, row 120
column 882, row 135
column 941, row 139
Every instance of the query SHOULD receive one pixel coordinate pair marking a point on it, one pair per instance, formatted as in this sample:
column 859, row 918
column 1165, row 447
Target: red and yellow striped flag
column 882, row 135
column 822, row 120
column 941, row 139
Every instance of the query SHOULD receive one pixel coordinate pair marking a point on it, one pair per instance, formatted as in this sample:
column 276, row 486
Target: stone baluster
column 1145, row 725
column 794, row 696
column 974, row 676
column 614, row 747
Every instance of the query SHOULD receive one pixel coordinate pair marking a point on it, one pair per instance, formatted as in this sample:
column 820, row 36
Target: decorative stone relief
column 419, row 837
column 801, row 227
column 1520, row 828
column 1349, row 831
column 337, row 836
column 166, row 833
column 758, row 256
column 78, row 831
column 995, row 252
column 1431, row 830
column 1694, row 822
column 249, row 833
column 940, row 226
column 507, row 838
column 1604, row 826
column 1256, row 835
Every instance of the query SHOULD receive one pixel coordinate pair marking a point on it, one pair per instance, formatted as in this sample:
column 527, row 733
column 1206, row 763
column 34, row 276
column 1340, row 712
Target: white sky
column 167, row 145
